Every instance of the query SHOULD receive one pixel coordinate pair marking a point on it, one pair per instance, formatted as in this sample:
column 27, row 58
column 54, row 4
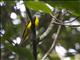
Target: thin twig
column 55, row 40
column 48, row 30
column 72, row 20
column 66, row 24
column 53, row 44
column 50, row 26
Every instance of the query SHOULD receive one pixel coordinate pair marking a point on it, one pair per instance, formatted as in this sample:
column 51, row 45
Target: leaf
column 20, row 51
column 72, row 6
column 38, row 6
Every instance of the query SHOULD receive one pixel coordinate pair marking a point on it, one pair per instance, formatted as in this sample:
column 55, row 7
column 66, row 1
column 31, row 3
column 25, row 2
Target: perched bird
column 27, row 29
column 36, row 23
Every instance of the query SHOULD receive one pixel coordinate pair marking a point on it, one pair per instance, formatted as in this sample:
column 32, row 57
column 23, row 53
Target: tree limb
column 55, row 38
column 53, row 44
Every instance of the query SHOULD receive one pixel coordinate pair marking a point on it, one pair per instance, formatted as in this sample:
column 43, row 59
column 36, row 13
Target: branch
column 53, row 44
column 47, row 31
column 73, row 20
column 65, row 24
column 55, row 38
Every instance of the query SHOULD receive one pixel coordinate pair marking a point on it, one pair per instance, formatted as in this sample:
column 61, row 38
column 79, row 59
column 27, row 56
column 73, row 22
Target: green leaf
column 38, row 6
column 23, row 52
column 72, row 6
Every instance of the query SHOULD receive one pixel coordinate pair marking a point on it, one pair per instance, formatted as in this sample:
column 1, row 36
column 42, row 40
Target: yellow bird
column 28, row 27
column 36, row 23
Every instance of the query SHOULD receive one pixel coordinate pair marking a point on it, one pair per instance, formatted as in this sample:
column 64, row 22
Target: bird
column 36, row 23
column 27, row 29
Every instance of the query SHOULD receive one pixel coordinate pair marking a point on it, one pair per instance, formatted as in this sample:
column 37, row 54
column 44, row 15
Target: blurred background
column 57, row 33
